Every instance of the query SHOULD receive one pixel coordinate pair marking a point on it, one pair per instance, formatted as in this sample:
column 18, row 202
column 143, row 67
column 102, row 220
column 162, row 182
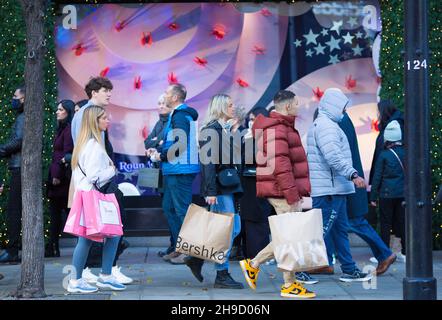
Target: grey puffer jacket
column 12, row 148
column 328, row 150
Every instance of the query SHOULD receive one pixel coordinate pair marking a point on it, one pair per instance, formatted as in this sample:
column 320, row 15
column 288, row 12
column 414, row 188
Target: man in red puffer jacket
column 283, row 178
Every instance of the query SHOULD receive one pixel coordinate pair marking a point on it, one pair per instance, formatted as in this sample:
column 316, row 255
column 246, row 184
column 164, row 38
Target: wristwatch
column 354, row 175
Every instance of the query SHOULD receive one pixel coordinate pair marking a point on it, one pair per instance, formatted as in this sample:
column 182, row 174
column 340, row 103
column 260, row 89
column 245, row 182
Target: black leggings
column 392, row 213
column 56, row 208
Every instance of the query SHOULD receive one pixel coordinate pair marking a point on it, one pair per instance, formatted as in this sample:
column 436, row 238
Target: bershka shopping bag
column 75, row 223
column 297, row 240
column 205, row 235
column 102, row 214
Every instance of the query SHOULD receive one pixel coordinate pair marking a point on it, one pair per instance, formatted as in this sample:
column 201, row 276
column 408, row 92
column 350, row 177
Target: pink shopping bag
column 102, row 214
column 75, row 223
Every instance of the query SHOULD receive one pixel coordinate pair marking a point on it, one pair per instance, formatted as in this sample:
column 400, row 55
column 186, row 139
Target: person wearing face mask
column 12, row 150
column 333, row 177
column 59, row 174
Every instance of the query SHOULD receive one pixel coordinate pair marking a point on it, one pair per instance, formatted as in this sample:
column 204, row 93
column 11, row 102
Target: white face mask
column 250, row 124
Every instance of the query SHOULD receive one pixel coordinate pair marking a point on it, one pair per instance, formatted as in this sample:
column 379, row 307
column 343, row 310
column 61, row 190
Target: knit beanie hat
column 393, row 132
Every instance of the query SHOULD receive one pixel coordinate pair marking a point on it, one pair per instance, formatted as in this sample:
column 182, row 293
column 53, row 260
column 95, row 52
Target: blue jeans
column 176, row 200
column 81, row 252
column 363, row 229
column 336, row 227
column 226, row 204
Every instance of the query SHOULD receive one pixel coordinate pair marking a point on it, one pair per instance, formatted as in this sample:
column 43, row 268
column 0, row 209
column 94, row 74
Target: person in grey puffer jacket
column 12, row 150
column 332, row 178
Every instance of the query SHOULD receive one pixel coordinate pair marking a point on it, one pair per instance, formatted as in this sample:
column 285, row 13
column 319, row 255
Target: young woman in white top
column 90, row 157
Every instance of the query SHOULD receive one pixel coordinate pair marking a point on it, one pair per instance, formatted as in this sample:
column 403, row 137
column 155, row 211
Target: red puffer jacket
column 282, row 168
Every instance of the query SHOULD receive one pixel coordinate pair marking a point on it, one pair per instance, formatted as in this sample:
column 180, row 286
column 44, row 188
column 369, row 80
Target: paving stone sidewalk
column 156, row 279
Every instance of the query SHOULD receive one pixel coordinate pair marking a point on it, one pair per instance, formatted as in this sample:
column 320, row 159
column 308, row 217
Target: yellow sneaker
column 297, row 291
column 250, row 273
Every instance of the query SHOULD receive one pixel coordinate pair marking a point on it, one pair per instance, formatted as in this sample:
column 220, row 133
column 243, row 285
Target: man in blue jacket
column 180, row 163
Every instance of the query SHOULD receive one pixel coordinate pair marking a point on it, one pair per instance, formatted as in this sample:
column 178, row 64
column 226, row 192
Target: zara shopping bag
column 205, row 235
column 75, row 223
column 102, row 214
column 297, row 240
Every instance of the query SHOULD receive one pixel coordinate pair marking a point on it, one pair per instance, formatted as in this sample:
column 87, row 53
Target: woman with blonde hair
column 220, row 190
column 92, row 168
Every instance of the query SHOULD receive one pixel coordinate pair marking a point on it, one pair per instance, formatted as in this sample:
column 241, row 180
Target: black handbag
column 110, row 187
column 229, row 177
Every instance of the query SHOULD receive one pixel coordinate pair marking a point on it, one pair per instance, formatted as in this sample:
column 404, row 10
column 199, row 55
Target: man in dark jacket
column 357, row 206
column 179, row 161
column 155, row 140
column 12, row 150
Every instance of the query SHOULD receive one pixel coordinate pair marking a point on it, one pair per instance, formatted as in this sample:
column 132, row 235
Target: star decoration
column 348, row 38
column 359, row 35
column 336, row 26
column 333, row 44
column 311, row 37
column 357, row 51
column 309, row 53
column 352, row 22
column 127, row 175
column 298, row 43
column 320, row 49
column 334, row 59
column 324, row 32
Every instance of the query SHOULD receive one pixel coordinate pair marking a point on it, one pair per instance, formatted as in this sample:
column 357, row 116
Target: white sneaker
column 401, row 257
column 373, row 260
column 89, row 276
column 80, row 286
column 109, row 282
column 121, row 278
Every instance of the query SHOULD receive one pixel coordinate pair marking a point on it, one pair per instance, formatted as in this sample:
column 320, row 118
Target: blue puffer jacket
column 328, row 151
column 179, row 154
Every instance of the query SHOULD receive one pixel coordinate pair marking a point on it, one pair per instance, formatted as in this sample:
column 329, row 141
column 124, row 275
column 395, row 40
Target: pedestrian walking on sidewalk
column 99, row 92
column 155, row 140
column 11, row 149
column 220, row 195
column 181, row 167
column 283, row 179
column 92, row 166
column 357, row 206
column 59, row 175
column 388, row 184
column 333, row 177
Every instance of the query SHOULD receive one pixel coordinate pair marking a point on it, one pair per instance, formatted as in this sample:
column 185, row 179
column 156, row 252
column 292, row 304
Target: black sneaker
column 357, row 275
column 195, row 266
column 305, row 278
column 225, row 281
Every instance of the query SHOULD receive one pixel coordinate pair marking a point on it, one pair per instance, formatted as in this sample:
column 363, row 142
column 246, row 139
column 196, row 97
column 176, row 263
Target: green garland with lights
column 392, row 68
column 12, row 66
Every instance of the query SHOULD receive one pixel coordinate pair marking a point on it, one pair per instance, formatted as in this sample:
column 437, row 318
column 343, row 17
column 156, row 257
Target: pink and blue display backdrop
column 248, row 51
